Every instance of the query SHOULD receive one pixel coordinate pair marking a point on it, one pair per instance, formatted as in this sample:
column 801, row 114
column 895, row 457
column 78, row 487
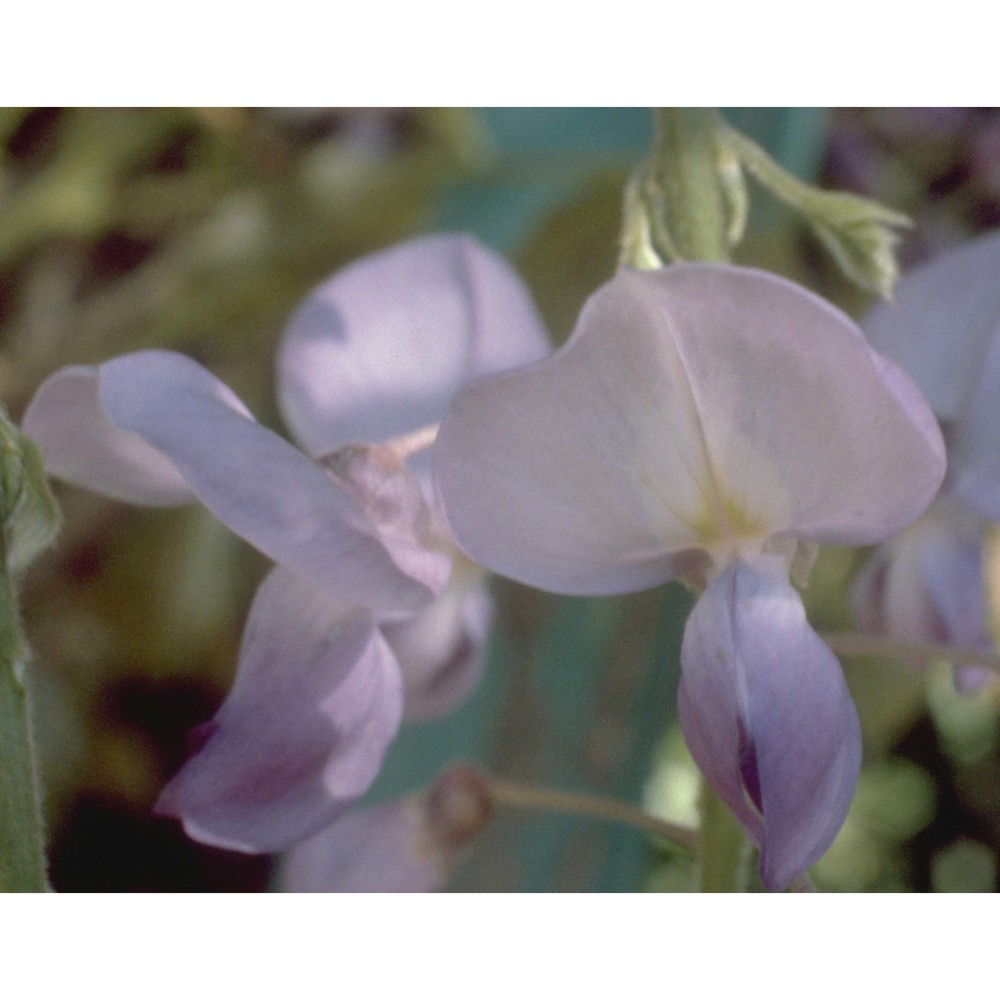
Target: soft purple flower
column 156, row 428
column 943, row 327
column 345, row 634
column 375, row 354
column 408, row 845
column 711, row 423
column 317, row 700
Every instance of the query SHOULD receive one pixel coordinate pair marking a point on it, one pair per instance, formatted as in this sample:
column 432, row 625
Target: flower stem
column 686, row 199
column 722, row 847
column 922, row 653
column 686, row 154
column 22, row 852
column 726, row 846
column 518, row 796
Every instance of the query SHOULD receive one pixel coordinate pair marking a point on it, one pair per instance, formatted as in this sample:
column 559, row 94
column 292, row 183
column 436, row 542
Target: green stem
column 686, row 200
column 729, row 860
column 919, row 653
column 686, row 157
column 797, row 194
column 22, row 851
column 722, row 847
column 695, row 221
column 518, row 796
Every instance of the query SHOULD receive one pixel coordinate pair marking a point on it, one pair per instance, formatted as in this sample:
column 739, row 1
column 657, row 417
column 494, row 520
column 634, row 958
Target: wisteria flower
column 375, row 355
column 711, row 423
column 408, row 845
column 364, row 612
column 943, row 327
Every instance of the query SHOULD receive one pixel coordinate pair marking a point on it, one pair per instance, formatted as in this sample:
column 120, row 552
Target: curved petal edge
column 317, row 701
column 380, row 348
column 80, row 444
column 256, row 483
column 768, row 718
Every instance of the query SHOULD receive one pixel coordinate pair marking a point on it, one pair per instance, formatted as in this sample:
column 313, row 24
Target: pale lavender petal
column 768, row 718
column 956, row 582
column 694, row 407
column 944, row 329
column 317, row 701
column 81, row 445
column 411, row 845
column 974, row 453
column 952, row 564
column 970, row 677
column 808, row 430
column 442, row 649
column 927, row 585
column 890, row 596
column 584, row 473
column 380, row 348
column 256, row 483
column 868, row 592
column 383, row 848
column 941, row 322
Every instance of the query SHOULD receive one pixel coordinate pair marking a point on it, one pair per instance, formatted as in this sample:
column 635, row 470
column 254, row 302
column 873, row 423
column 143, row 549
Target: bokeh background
column 200, row 230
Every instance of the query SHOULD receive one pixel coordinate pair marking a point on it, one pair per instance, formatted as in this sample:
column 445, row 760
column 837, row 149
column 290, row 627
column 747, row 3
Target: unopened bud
column 860, row 234
column 459, row 807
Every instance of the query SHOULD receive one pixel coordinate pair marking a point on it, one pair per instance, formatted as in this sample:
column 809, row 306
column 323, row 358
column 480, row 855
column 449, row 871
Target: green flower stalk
column 860, row 234
column 30, row 520
column 688, row 200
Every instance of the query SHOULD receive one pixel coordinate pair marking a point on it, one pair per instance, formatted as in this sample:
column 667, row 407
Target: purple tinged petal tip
column 768, row 718
column 317, row 701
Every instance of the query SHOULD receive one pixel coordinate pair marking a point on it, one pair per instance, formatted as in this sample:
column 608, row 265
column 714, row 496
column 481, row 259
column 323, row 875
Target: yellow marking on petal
column 724, row 518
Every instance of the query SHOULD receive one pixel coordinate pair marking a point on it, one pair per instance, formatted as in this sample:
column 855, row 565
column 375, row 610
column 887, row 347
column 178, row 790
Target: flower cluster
column 704, row 422
column 370, row 614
